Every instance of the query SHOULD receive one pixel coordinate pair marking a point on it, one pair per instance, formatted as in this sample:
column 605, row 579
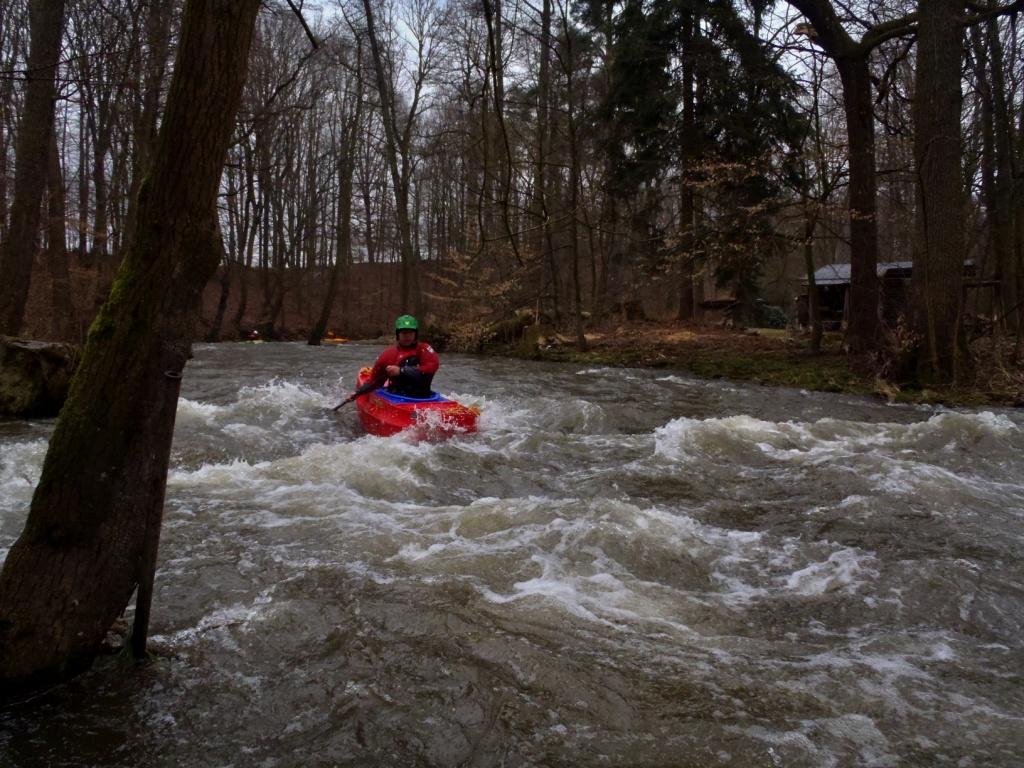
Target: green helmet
column 406, row 323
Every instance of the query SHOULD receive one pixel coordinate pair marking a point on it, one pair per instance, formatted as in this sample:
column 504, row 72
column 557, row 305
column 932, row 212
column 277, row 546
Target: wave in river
column 623, row 567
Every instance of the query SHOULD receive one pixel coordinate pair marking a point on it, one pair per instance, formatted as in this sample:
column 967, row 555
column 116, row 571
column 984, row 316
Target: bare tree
column 347, row 124
column 46, row 24
column 851, row 58
column 93, row 528
column 423, row 23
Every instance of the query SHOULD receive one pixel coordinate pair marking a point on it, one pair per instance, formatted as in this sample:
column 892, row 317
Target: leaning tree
column 93, row 527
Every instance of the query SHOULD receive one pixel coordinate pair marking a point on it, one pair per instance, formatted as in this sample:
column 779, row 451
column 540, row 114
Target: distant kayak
column 383, row 413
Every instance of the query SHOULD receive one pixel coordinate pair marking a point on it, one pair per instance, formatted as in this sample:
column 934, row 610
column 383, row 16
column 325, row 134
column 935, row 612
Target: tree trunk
column 1002, row 210
column 540, row 173
column 144, row 133
column 939, row 262
column 410, row 293
column 688, row 153
column 574, row 184
column 94, row 524
column 227, row 268
column 863, row 328
column 1018, row 238
column 251, row 214
column 851, row 59
column 6, row 108
column 813, row 311
column 64, row 326
column 84, row 259
column 343, row 254
column 46, row 26
column 101, row 146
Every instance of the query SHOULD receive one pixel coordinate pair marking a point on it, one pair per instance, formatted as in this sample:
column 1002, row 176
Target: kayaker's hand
column 393, row 370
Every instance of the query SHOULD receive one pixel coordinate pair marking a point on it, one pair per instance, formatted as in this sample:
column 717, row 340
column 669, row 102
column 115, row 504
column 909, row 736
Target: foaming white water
column 774, row 592
column 590, row 558
column 568, row 554
column 20, row 467
column 963, row 427
column 272, row 419
column 368, row 468
column 842, row 571
column 496, row 414
column 963, row 454
column 522, row 416
column 603, row 561
column 858, row 734
column 277, row 405
column 618, row 374
column 821, row 440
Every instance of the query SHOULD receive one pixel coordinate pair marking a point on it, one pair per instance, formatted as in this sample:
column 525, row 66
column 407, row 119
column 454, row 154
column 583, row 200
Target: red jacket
column 418, row 365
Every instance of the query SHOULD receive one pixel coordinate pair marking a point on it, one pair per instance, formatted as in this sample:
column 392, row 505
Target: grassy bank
column 768, row 357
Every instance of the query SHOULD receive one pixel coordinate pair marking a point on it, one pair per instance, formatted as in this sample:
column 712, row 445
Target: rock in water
column 34, row 376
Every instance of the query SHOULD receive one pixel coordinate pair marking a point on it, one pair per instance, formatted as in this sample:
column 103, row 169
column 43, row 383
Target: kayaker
column 407, row 368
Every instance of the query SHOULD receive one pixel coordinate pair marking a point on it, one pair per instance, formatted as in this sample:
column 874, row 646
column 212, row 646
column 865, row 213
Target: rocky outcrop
column 34, row 376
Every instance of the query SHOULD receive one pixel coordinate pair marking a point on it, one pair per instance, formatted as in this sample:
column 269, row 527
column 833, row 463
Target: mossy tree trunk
column 95, row 518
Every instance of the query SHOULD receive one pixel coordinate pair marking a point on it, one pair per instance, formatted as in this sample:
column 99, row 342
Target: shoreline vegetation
column 771, row 357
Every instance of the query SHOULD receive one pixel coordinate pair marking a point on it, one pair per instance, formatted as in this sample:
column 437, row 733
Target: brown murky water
column 622, row 568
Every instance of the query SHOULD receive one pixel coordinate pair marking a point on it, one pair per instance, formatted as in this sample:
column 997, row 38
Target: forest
column 576, row 163
column 218, row 169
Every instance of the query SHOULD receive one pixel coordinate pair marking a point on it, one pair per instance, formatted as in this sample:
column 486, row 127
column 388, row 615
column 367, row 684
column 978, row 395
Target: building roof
column 839, row 274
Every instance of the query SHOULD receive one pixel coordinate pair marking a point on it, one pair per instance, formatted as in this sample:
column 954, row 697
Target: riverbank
column 765, row 356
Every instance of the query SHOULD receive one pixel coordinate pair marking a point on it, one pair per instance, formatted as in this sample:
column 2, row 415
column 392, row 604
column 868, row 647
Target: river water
column 624, row 567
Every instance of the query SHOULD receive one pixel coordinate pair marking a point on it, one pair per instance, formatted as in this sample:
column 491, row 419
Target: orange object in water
column 383, row 413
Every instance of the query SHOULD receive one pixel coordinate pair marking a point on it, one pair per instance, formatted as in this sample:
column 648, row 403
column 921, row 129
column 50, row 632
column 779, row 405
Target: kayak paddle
column 346, row 401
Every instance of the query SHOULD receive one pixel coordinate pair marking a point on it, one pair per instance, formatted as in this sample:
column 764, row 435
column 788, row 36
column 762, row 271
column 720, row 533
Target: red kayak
column 384, row 413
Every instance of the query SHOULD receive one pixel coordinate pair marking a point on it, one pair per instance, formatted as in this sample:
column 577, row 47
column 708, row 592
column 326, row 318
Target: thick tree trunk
column 95, row 518
column 937, row 282
column 46, row 26
column 863, row 328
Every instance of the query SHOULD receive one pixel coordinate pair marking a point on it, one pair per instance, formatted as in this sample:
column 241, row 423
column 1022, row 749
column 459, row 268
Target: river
column 623, row 567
